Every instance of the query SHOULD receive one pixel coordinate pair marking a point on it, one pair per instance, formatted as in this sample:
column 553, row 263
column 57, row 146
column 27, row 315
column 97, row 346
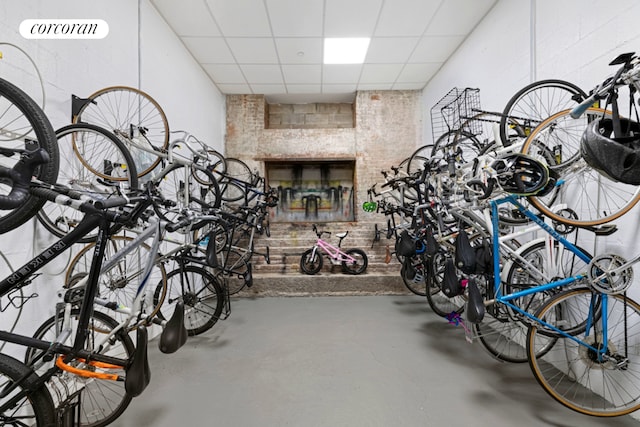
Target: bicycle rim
column 572, row 373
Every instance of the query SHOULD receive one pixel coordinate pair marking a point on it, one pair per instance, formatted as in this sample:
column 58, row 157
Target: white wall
column 140, row 51
column 521, row 41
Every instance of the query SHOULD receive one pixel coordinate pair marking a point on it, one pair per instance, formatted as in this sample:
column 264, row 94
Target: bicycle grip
column 20, row 177
column 178, row 225
column 579, row 110
column 112, row 202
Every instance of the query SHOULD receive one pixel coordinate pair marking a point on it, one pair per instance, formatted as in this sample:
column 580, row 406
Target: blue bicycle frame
column 506, row 299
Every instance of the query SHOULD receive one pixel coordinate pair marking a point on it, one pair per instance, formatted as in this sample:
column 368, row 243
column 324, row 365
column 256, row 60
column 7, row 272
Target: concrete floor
column 342, row 361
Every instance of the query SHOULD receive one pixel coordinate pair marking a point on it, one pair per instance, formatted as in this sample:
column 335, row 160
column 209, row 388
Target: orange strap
column 90, row 374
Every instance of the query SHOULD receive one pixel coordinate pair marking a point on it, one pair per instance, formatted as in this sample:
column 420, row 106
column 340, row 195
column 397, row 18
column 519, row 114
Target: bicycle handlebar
column 20, row 176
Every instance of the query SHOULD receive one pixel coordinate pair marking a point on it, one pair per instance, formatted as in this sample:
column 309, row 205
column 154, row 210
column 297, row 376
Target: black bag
column 484, row 258
column 405, row 245
column 430, row 242
column 408, row 270
column 465, row 254
column 451, row 285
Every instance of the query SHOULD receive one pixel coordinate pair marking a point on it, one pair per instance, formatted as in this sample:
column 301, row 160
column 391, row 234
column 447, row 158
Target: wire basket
column 454, row 111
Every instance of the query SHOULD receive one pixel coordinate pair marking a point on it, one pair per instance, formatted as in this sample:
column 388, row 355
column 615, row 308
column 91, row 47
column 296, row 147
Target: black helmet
column 523, row 174
column 616, row 158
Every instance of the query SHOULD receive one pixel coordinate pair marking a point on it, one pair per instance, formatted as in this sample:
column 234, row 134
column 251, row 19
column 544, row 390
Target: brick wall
column 309, row 116
column 388, row 126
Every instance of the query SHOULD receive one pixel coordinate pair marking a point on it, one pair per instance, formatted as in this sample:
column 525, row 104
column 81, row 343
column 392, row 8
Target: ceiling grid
column 275, row 47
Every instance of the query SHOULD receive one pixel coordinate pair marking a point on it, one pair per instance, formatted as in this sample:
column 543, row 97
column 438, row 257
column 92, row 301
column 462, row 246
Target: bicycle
column 353, row 261
column 101, row 349
column 582, row 340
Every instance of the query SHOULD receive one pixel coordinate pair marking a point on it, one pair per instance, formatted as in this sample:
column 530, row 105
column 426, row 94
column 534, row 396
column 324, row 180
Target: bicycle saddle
column 174, row 334
column 138, row 372
column 475, row 305
column 342, row 235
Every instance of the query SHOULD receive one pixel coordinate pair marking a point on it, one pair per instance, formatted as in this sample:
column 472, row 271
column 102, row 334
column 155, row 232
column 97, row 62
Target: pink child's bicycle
column 353, row 261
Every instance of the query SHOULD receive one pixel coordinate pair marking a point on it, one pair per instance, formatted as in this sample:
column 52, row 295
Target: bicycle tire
column 503, row 334
column 214, row 163
column 119, row 108
column 357, row 267
column 418, row 283
column 102, row 401
column 177, row 183
column 572, row 374
column 441, row 304
column 119, row 172
column 23, row 125
column 593, row 197
column 534, row 103
column 236, row 270
column 236, row 179
column 203, row 301
column 311, row 262
column 36, row 405
column 119, row 284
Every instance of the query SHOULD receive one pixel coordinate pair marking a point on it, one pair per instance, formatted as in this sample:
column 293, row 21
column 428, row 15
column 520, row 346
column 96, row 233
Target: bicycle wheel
column 23, row 125
column 36, row 408
column 504, row 332
column 112, row 168
column 534, row 103
column 128, row 110
column 418, row 283
column 592, row 198
column 120, row 284
column 203, row 297
column 214, row 163
column 236, row 270
column 235, row 181
column 102, row 401
column 358, row 266
column 177, row 183
column 441, row 304
column 311, row 262
column 572, row 372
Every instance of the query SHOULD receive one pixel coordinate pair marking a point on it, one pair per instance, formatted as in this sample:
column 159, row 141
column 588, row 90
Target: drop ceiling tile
column 338, row 88
column 224, row 73
column 351, row 18
column 380, row 73
column 418, row 72
column 389, row 50
column 405, row 17
column 262, row 74
column 435, row 48
column 266, row 89
column 188, row 17
column 234, row 88
column 302, row 74
column 408, row 86
column 289, row 49
column 295, row 18
column 294, row 88
column 240, row 18
column 253, row 50
column 211, row 50
column 458, row 17
column 377, row 86
column 341, row 74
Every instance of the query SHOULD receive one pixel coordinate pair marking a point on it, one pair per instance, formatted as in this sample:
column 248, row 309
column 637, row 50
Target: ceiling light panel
column 350, row 50
column 240, row 18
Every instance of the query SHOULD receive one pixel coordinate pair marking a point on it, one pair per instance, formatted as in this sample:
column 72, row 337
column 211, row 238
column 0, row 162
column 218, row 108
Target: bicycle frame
column 501, row 298
column 334, row 253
